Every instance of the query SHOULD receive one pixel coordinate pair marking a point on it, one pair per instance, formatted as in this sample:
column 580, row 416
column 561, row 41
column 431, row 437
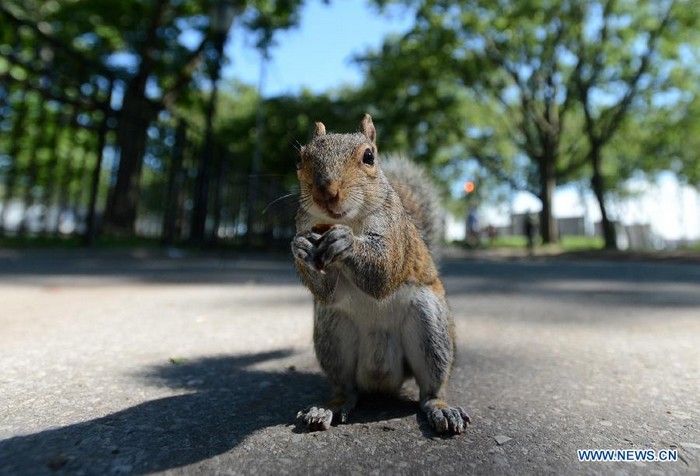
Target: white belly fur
column 381, row 352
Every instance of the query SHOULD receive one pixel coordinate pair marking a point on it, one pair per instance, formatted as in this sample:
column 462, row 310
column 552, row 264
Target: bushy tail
column 417, row 193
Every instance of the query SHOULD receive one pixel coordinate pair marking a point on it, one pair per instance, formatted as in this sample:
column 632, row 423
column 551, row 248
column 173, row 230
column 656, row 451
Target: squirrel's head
column 339, row 176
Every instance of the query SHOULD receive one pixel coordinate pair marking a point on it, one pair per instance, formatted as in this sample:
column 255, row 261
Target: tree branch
column 148, row 56
column 485, row 160
column 576, row 78
column 184, row 76
column 618, row 111
column 529, row 110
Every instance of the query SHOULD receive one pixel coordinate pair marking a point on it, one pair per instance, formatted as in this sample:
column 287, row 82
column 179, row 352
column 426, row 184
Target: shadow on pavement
column 228, row 401
column 549, row 270
column 157, row 267
column 654, row 285
column 160, row 266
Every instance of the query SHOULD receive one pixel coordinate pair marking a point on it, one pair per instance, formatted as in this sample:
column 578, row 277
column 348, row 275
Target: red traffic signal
column 469, row 186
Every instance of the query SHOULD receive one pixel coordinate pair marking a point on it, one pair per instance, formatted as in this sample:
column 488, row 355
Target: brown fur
column 378, row 242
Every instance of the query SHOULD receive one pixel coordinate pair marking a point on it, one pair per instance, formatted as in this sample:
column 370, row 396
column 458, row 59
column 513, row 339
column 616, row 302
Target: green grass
column 515, row 241
column 577, row 243
column 567, row 243
column 693, row 247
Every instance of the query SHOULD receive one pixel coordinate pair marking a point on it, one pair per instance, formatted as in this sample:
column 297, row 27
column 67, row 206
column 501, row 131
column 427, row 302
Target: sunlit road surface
column 116, row 362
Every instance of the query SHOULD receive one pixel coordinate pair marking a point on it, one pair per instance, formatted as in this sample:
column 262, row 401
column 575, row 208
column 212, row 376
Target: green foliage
column 487, row 89
column 630, row 69
column 514, row 69
column 287, row 123
column 47, row 154
column 669, row 140
column 153, row 55
column 100, row 30
column 416, row 104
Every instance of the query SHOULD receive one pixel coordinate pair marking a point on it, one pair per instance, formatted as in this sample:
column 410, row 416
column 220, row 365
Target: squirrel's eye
column 368, row 157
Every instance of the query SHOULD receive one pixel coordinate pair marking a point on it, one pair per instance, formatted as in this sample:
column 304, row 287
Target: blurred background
column 176, row 121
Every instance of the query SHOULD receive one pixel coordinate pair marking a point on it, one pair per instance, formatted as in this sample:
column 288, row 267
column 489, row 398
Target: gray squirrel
column 364, row 227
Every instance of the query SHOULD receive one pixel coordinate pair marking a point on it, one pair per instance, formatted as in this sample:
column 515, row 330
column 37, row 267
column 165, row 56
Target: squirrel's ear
column 367, row 128
column 320, row 129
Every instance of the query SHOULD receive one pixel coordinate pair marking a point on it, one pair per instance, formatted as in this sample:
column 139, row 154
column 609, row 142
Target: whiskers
column 285, row 203
column 295, row 198
column 305, row 201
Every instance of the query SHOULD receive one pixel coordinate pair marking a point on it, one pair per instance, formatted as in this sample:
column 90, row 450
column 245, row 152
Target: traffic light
column 469, row 186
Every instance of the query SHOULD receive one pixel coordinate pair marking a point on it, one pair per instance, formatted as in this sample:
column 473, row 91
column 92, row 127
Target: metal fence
column 58, row 156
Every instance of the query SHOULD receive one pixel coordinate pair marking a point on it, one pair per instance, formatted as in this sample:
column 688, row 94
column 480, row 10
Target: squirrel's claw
column 303, row 247
column 445, row 419
column 316, row 419
column 336, row 245
column 451, row 421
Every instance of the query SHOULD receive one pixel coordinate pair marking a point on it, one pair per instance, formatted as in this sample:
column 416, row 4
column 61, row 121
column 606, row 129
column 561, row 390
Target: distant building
column 628, row 236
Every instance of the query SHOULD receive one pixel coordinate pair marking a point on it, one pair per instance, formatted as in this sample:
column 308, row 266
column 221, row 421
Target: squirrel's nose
column 327, row 194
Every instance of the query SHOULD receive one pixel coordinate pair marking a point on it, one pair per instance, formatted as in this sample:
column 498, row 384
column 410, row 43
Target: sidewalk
column 123, row 363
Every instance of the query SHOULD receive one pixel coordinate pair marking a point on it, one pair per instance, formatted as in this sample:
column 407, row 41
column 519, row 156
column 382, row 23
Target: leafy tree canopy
column 540, row 88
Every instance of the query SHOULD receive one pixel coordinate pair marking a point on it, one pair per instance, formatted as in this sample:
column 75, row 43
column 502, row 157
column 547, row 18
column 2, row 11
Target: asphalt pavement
column 132, row 362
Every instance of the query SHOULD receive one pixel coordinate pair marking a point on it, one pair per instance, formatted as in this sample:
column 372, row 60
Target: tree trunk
column 136, row 114
column 548, row 182
column 609, row 234
column 132, row 132
column 176, row 176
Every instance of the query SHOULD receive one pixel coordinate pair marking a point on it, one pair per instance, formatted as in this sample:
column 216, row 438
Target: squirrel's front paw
column 336, row 245
column 304, row 247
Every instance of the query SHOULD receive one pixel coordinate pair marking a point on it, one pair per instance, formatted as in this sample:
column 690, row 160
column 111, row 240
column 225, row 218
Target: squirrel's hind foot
column 446, row 419
column 316, row 418
column 319, row 418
